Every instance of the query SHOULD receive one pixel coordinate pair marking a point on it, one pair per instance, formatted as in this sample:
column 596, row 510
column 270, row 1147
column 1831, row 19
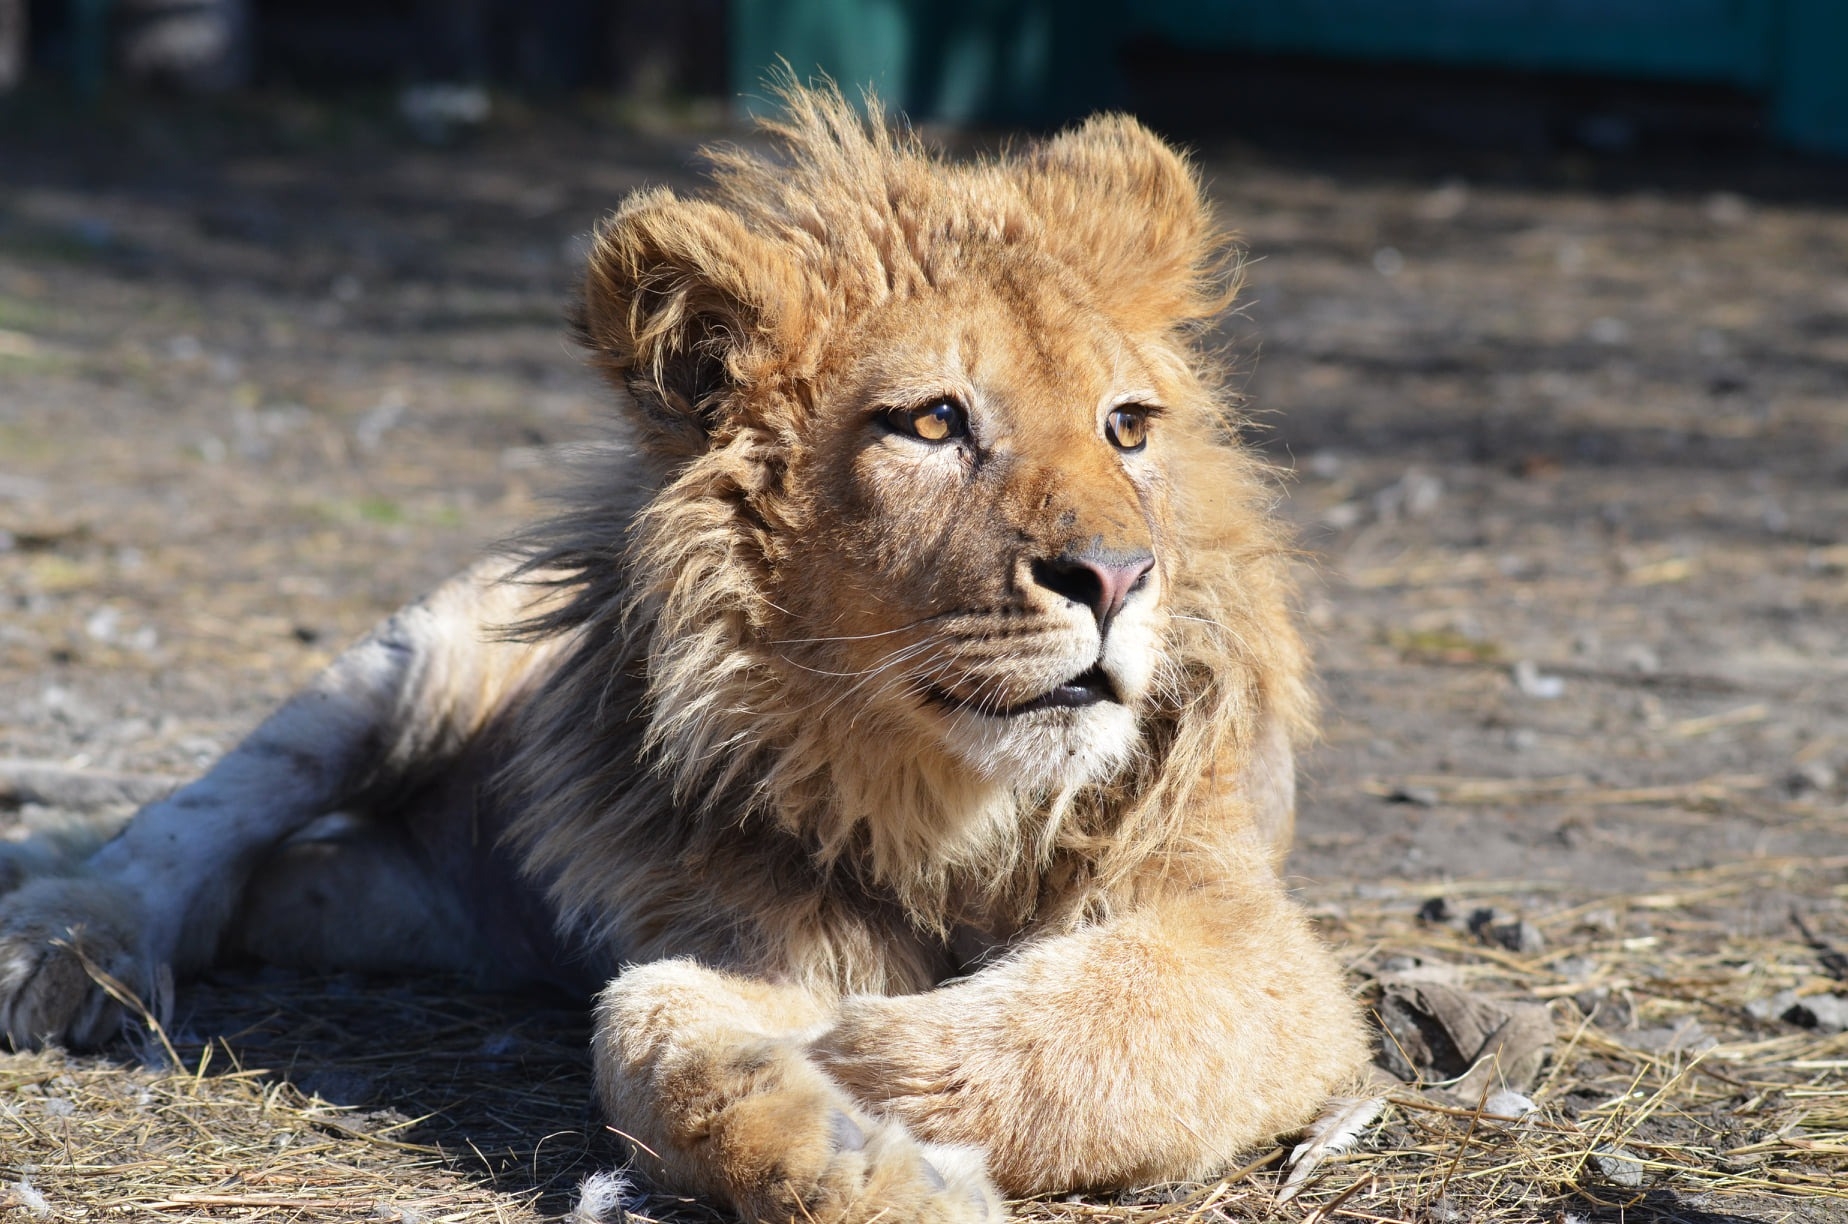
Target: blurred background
column 1606, row 74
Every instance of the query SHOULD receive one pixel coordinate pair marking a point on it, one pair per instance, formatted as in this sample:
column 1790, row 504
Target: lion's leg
column 397, row 706
column 1155, row 1047
column 351, row 893
column 708, row 1075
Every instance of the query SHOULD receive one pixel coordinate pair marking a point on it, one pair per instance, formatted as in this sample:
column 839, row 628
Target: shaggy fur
column 923, row 795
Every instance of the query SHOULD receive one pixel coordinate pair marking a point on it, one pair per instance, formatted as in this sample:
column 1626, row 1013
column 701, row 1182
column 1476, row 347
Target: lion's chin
column 1047, row 748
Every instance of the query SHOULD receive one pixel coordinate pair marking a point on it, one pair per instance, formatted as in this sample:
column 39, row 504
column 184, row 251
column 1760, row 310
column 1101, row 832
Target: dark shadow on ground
column 1664, row 1207
column 499, row 1082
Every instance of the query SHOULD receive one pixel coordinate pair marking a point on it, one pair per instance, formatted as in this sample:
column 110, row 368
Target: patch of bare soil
column 1571, row 464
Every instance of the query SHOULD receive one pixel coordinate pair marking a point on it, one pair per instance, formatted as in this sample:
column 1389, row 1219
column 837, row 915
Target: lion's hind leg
column 354, row 894
column 401, row 705
column 708, row 1075
column 166, row 886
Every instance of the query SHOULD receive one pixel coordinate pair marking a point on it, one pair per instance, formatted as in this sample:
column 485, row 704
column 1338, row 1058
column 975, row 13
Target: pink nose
column 1100, row 579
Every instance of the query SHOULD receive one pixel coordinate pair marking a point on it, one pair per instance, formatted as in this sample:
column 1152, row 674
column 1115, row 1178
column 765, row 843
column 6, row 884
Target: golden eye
column 1127, row 428
column 938, row 421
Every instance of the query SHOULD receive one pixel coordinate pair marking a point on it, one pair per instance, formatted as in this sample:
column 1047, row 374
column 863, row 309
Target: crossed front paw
column 58, row 936
column 792, row 1146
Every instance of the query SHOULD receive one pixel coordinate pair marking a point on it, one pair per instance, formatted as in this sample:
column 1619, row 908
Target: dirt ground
column 1569, row 454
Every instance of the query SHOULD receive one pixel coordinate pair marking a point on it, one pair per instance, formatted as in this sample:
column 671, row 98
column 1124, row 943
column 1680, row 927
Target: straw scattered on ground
column 1669, row 1089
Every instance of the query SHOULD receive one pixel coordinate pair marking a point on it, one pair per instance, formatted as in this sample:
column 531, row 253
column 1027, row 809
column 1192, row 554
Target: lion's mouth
column 1088, row 687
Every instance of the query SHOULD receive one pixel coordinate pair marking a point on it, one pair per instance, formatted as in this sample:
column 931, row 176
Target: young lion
column 899, row 722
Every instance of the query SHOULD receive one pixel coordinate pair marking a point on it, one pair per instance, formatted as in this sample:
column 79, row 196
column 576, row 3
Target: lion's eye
column 1127, row 428
column 938, row 421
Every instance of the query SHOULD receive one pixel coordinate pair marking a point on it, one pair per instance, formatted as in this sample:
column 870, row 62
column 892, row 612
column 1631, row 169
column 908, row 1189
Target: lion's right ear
column 681, row 307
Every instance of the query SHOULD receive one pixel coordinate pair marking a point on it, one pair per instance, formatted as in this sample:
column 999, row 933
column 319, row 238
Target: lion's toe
column 790, row 1145
column 877, row 1171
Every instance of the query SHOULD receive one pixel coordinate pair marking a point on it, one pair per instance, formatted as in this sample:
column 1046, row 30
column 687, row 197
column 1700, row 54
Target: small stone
column 1534, row 683
column 1827, row 1013
column 1574, row 968
column 1685, row 1036
column 1437, row 910
column 1415, row 495
column 1603, row 921
column 1325, row 464
column 1508, row 1104
column 1416, row 971
column 1619, row 1167
column 1343, row 515
column 1522, row 937
column 1641, row 660
column 1421, row 796
column 1810, row 778
column 1773, row 1008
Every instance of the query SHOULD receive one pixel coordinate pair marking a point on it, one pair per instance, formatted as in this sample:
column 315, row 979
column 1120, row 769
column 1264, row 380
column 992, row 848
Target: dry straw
column 273, row 1096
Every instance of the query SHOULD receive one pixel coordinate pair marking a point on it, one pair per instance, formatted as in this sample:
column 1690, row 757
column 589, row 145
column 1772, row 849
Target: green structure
column 963, row 61
column 1046, row 60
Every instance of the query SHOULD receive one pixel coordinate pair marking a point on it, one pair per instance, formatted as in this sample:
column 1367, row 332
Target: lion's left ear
column 1127, row 211
column 681, row 309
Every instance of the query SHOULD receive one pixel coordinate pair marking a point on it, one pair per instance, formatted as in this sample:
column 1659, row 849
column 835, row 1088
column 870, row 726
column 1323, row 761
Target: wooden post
column 12, row 44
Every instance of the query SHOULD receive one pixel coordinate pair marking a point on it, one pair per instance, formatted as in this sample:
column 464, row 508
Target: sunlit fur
column 768, row 675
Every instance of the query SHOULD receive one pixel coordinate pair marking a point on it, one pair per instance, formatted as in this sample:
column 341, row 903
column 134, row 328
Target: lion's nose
column 1101, row 579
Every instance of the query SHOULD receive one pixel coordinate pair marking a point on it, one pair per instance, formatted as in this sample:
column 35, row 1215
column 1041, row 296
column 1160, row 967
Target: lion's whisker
column 861, row 637
column 893, row 659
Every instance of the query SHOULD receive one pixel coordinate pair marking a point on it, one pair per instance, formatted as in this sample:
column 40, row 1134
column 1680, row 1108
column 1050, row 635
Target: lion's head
column 947, row 557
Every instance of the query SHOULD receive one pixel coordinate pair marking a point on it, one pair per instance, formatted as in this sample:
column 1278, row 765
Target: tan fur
column 886, row 944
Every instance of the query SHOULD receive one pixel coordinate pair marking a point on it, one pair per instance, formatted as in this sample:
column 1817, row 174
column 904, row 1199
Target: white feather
column 22, row 1194
column 1337, row 1130
column 603, row 1198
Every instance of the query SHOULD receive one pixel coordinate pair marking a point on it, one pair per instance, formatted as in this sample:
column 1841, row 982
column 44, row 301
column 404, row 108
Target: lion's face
column 925, row 432
column 975, row 542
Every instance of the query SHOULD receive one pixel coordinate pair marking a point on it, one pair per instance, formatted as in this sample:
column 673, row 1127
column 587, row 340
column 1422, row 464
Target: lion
column 894, row 730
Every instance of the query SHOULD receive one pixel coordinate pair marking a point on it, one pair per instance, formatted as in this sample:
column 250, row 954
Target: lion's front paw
column 53, row 933
column 711, row 1076
column 786, row 1144
column 873, row 1170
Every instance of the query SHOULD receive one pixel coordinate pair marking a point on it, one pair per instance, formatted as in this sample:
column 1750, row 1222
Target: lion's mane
column 682, row 719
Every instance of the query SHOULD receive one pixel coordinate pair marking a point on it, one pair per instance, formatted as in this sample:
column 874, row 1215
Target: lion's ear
column 1127, row 211
column 681, row 306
